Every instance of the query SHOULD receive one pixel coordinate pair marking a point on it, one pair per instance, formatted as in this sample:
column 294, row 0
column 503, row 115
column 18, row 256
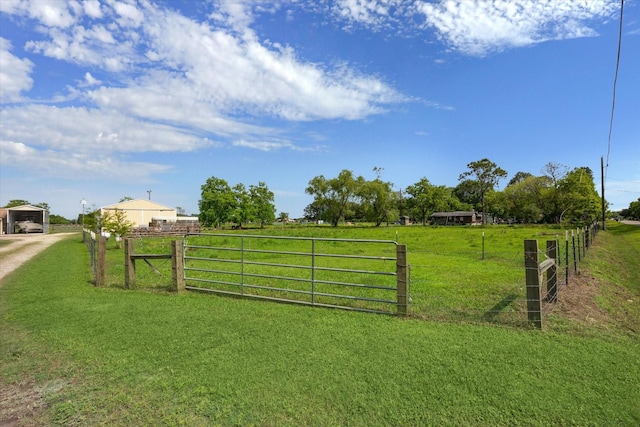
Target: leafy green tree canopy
column 116, row 222
column 217, row 202
column 486, row 175
column 334, row 198
column 16, row 202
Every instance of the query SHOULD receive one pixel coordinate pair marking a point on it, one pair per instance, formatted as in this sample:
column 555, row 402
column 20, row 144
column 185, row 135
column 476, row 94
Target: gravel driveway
column 19, row 248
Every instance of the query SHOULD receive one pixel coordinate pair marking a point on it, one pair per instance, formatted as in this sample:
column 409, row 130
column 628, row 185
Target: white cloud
column 168, row 83
column 371, row 13
column 87, row 46
column 92, row 131
column 477, row 27
column 65, row 142
column 90, row 80
column 239, row 74
column 92, row 8
column 63, row 164
column 14, row 74
column 129, row 14
column 50, row 13
column 231, row 72
column 274, row 145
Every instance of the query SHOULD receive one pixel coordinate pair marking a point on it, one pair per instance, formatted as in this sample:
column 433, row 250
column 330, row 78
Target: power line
column 615, row 82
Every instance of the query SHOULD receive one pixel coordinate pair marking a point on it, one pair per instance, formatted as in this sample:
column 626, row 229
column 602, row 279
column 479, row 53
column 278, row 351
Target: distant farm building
column 142, row 212
column 456, row 218
column 24, row 219
column 404, row 220
column 150, row 218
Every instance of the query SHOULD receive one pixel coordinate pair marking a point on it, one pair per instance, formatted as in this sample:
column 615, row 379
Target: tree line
column 220, row 203
column 557, row 195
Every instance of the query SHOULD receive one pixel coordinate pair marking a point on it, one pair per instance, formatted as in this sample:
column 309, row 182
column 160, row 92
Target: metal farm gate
column 363, row 275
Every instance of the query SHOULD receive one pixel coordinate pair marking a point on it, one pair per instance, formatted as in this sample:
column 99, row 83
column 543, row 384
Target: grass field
column 456, row 273
column 80, row 355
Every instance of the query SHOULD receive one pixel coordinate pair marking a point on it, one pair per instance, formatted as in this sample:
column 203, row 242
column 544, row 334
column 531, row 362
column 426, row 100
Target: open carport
column 28, row 213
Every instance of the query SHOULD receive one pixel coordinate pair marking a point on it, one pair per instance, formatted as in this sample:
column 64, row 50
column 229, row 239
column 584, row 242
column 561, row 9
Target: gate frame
column 402, row 302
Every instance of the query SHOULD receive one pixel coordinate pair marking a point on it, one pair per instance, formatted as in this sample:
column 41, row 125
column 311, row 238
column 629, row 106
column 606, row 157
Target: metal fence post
column 129, row 263
column 100, row 265
column 552, row 272
column 401, row 277
column 177, row 266
column 534, row 311
column 566, row 258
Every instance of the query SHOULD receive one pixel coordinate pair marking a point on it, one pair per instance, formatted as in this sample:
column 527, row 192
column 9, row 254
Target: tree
column 262, row 200
column 426, row 199
column 487, row 174
column 525, row 199
column 578, row 197
column 313, row 211
column 333, row 198
column 217, row 202
column 242, row 212
column 125, row 199
column 420, row 199
column 116, row 223
column 283, row 217
column 378, row 201
column 553, row 209
column 468, row 193
column 634, row 209
column 519, row 177
column 58, row 219
column 16, row 202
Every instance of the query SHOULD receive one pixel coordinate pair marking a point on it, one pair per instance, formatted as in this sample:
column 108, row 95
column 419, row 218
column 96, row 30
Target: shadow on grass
column 494, row 311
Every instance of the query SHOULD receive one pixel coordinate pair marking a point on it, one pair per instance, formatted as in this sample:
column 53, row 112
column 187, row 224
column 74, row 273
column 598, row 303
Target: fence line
column 440, row 290
column 97, row 246
column 539, row 301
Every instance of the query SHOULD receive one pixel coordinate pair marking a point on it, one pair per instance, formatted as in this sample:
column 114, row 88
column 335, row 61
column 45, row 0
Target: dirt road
column 16, row 249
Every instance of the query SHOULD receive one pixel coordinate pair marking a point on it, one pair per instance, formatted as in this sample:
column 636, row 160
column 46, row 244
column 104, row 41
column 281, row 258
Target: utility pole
column 149, row 191
column 604, row 224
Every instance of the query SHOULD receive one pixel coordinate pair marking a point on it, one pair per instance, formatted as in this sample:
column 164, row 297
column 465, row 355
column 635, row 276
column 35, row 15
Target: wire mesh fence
column 474, row 276
column 462, row 286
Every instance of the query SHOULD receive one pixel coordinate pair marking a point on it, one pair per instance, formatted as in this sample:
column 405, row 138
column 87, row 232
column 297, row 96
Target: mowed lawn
column 107, row 356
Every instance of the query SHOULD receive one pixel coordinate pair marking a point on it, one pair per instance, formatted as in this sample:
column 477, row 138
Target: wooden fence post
column 177, row 267
column 100, row 265
column 129, row 263
column 534, row 305
column 401, row 277
column 552, row 272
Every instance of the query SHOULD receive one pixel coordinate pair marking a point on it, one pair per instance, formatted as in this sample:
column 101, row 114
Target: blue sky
column 106, row 99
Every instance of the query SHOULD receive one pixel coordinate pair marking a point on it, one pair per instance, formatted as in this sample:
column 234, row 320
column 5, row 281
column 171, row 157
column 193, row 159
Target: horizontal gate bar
column 295, row 279
column 315, row 304
column 293, row 291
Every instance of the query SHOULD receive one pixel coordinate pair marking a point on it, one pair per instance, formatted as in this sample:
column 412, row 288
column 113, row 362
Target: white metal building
column 142, row 212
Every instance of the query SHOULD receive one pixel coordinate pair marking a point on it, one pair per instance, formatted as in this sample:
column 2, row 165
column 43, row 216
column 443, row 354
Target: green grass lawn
column 456, row 273
column 109, row 356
